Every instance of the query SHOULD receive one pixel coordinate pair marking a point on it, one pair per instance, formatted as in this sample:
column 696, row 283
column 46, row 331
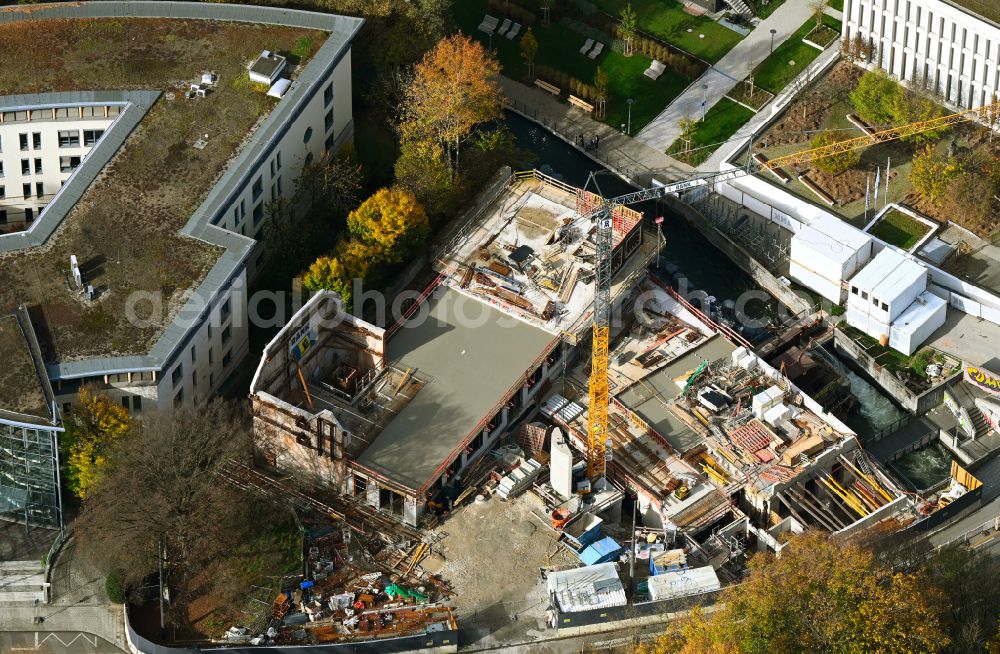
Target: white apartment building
column 943, row 45
column 39, row 150
column 54, row 133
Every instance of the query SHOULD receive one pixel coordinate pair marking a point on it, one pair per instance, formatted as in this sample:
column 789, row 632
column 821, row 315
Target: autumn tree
column 392, row 223
column 329, row 273
column 834, row 163
column 529, row 50
column 931, row 174
column 627, row 26
column 164, row 485
column 971, row 610
column 421, row 168
column 688, row 128
column 818, row 9
column 93, row 429
column 821, row 595
column 453, row 90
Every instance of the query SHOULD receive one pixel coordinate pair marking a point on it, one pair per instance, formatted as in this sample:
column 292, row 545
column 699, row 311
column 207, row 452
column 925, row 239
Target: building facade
column 939, row 45
column 46, row 143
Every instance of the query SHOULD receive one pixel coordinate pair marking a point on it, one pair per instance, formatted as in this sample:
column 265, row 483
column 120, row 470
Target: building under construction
column 392, row 417
column 29, row 429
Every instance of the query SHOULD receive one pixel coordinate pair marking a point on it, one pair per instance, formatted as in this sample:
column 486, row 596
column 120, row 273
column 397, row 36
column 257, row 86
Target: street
column 58, row 642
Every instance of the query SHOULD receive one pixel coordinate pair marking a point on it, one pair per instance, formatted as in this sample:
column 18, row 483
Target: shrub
column 114, row 586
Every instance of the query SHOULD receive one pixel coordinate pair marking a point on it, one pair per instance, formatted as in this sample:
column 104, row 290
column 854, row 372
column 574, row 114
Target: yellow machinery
column 597, row 424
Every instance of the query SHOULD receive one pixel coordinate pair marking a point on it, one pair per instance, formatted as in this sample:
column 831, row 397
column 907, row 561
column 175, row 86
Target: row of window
column 68, row 138
column 67, row 164
column 864, row 296
column 59, row 113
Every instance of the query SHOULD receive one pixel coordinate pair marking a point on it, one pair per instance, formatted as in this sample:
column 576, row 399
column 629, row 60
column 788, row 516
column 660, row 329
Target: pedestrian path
column 718, row 80
column 632, row 159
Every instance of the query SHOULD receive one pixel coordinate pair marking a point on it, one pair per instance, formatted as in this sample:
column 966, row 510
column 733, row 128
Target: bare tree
column 163, row 486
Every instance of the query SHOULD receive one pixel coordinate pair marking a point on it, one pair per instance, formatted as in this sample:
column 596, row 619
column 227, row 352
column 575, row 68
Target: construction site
column 507, row 408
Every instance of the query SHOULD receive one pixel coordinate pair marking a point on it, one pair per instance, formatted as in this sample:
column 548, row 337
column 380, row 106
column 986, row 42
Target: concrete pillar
column 561, row 465
column 373, row 493
column 412, row 510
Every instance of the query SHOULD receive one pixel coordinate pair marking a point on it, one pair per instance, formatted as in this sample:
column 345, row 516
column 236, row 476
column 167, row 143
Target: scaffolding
column 29, row 475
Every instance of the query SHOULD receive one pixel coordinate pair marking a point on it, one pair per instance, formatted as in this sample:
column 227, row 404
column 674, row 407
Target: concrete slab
column 472, row 354
column 649, row 398
column 967, row 338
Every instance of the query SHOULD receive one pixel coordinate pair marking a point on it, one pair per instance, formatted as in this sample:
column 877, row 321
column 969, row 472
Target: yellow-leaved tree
column 391, row 223
column 93, row 429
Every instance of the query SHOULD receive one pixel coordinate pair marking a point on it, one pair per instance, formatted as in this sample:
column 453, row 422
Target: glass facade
column 29, row 475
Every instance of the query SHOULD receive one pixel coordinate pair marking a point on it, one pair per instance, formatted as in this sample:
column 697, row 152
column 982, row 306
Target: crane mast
column 597, row 425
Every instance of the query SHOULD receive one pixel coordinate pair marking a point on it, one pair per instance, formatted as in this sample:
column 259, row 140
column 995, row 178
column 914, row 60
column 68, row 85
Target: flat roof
column 887, row 273
column 24, row 389
column 650, row 398
column 918, row 313
column 988, row 9
column 471, row 353
column 156, row 184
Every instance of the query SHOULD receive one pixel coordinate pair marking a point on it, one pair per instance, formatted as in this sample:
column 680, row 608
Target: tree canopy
column 93, row 429
column 392, row 223
column 821, row 595
column 834, row 163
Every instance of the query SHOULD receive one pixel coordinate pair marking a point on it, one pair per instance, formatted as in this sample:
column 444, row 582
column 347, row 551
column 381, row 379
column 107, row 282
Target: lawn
column 559, row 48
column 837, row 4
column 667, row 20
column 899, row 229
column 764, row 8
column 790, row 58
column 721, row 122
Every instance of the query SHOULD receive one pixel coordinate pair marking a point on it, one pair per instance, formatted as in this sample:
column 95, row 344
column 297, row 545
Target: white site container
column 777, row 414
column 915, row 325
column 830, row 289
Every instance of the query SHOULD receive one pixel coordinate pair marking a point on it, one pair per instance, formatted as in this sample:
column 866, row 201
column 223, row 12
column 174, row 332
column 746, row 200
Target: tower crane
column 598, row 442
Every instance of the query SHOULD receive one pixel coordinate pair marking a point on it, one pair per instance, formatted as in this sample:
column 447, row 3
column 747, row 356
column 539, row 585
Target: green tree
column 971, row 609
column 601, row 90
column 834, row 163
column 931, row 174
column 688, row 128
column 874, row 96
column 627, row 26
column 391, row 223
column 423, row 169
column 93, row 429
column 529, row 50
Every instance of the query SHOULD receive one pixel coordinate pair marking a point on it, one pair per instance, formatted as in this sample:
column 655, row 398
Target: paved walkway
column 630, row 158
column 725, row 74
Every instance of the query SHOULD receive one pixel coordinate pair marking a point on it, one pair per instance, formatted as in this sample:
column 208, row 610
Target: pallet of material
column 513, row 298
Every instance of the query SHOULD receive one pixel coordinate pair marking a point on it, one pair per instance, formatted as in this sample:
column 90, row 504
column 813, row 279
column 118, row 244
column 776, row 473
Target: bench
column 580, row 103
column 545, row 86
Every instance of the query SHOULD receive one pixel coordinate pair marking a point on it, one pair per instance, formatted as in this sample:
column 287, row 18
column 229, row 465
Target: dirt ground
column 492, row 554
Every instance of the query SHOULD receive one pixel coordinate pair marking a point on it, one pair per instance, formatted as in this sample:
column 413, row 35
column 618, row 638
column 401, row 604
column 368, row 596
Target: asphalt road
column 54, row 642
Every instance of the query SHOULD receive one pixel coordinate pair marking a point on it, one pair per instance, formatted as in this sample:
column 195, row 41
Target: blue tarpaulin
column 602, row 551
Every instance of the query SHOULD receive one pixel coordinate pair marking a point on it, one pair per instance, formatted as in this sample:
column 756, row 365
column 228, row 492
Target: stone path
column 718, row 80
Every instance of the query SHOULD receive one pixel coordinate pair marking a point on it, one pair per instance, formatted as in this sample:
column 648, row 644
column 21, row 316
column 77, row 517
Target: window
column 175, row 376
column 309, row 159
column 24, row 141
column 26, row 190
column 854, row 290
column 308, row 135
column 226, row 358
column 3, row 192
column 864, row 295
column 225, row 309
column 210, row 357
column 243, row 209
column 258, row 188
column 90, row 136
column 39, row 189
column 329, row 143
column 1, row 144
column 328, row 120
column 3, row 216
column 193, row 353
column 68, row 164
column 29, row 215
column 278, row 183
column 25, row 166
column 874, row 301
column 258, row 213
column 125, row 401
column 194, row 380
column 69, row 138
column 272, row 167
column 36, row 140
column 137, row 404
column 274, row 192
column 277, row 160
column 328, row 95
column 226, row 334
column 179, row 398
column 1, row 169
column 38, row 166
column 885, row 307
